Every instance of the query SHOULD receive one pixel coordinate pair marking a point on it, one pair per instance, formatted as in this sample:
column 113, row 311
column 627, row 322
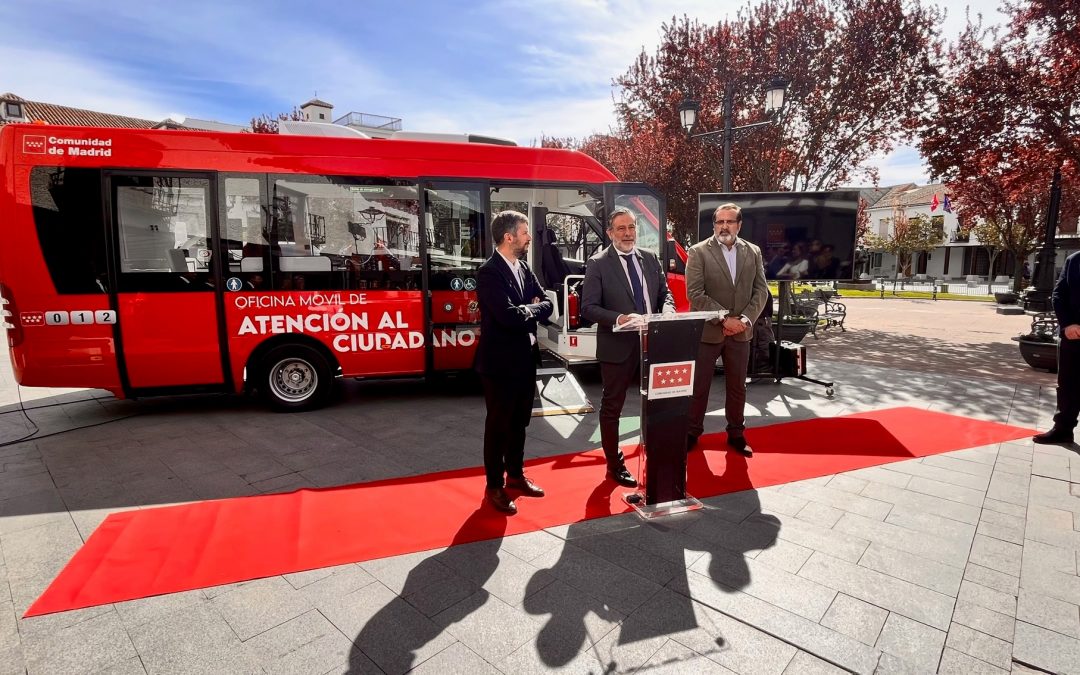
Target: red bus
column 148, row 262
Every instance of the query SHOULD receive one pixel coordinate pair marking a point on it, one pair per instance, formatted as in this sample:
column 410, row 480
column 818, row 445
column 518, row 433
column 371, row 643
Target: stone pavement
column 960, row 563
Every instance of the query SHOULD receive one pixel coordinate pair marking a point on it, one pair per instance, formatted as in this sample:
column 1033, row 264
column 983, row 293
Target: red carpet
column 148, row 552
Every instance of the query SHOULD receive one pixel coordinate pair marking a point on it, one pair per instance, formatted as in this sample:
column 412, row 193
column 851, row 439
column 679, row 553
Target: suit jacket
column 606, row 293
column 709, row 287
column 505, row 349
column 1067, row 293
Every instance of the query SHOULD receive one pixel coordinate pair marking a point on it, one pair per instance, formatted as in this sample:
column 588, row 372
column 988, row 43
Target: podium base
column 650, row 511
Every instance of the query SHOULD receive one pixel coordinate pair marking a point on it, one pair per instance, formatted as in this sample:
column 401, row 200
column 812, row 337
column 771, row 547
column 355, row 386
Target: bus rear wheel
column 295, row 378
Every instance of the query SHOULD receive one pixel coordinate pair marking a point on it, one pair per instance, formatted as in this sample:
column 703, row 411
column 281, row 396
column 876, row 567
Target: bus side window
column 68, row 217
column 163, row 226
column 364, row 232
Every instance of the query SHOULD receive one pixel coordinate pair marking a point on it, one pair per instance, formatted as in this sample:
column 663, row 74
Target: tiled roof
column 62, row 114
column 316, row 101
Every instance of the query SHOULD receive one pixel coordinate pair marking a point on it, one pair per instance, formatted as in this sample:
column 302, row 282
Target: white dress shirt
column 515, row 269
column 729, row 258
column 640, row 274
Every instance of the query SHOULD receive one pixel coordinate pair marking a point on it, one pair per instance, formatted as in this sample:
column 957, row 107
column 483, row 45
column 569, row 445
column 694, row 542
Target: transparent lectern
column 669, row 347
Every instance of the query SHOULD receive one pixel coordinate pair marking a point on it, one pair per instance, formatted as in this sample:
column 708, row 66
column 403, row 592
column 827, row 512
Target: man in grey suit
column 622, row 282
column 726, row 274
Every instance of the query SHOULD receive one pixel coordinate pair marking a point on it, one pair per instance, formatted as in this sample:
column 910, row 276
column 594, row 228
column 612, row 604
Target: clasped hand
column 733, row 325
column 1072, row 331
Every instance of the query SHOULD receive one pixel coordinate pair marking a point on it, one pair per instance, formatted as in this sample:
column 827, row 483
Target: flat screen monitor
column 802, row 235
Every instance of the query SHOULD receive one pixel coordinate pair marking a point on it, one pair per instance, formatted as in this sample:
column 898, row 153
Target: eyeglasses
column 725, row 222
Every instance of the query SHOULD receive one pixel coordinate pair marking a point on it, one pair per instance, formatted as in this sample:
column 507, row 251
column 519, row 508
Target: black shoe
column 498, row 498
column 622, row 477
column 1054, row 436
column 738, row 443
column 691, row 442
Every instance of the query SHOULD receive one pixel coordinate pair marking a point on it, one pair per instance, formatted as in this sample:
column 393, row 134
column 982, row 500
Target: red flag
column 934, row 203
column 668, row 380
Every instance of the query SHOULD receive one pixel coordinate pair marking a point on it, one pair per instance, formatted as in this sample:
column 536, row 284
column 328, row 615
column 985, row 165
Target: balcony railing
column 369, row 121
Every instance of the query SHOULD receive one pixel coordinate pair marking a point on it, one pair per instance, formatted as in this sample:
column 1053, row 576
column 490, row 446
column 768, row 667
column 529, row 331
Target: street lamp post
column 1037, row 298
column 688, row 115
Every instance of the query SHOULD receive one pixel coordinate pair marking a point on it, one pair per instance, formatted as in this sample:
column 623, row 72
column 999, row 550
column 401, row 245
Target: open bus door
column 574, row 342
column 164, row 274
column 454, row 243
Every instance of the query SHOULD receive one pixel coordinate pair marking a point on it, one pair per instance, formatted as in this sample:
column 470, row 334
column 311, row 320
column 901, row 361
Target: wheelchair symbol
column 470, row 284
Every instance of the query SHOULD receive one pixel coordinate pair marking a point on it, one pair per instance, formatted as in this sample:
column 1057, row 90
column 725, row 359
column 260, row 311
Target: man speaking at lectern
column 725, row 274
column 622, row 282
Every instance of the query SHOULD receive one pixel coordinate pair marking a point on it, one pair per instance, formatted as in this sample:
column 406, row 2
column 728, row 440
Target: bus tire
column 295, row 378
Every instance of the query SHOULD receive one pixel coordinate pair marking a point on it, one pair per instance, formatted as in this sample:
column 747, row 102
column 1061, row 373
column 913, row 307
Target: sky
column 519, row 69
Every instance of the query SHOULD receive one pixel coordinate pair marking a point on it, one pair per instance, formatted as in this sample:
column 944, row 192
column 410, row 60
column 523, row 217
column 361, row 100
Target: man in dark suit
column 1067, row 308
column 725, row 273
column 622, row 282
column 511, row 303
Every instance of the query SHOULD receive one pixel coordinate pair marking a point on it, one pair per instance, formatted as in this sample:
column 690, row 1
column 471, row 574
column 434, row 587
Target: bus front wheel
column 295, row 378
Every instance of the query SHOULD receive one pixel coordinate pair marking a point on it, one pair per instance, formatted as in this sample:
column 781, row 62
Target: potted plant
column 796, row 327
column 1039, row 345
column 1006, row 297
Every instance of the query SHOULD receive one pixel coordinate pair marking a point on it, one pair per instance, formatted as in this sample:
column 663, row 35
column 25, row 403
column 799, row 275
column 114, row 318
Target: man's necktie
column 635, row 282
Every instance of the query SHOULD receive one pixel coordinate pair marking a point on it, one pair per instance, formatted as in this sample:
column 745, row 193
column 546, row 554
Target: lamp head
column 774, row 95
column 688, row 114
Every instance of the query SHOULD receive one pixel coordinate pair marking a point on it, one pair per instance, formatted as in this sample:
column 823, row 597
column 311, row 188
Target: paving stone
column 731, row 643
column 847, row 483
column 927, row 573
column 394, row 572
column 947, row 491
column 855, row 618
column 879, row 589
column 671, row 544
column 622, row 552
column 996, row 554
column 261, row 605
column 999, row 581
column 984, row 620
column 924, row 503
column 1002, row 526
column 958, row 663
column 12, row 661
column 1005, row 507
column 929, row 523
column 774, row 500
column 820, row 514
column 489, row 626
column 808, row 664
column 837, row 544
column 529, row 545
column 894, row 665
column 994, row 651
column 604, row 581
column 138, row 612
column 785, row 555
column 911, row 641
column 1004, row 489
column 921, row 544
column 963, row 463
column 1044, row 649
column 1047, row 612
column 457, row 659
column 307, row 644
column 571, row 621
column 89, row 646
column 1050, row 466
column 1003, row 603
column 783, row 589
column 881, row 474
column 132, row 666
column 940, row 474
column 793, row 629
column 675, row 658
column 845, row 501
column 194, row 639
column 388, row 630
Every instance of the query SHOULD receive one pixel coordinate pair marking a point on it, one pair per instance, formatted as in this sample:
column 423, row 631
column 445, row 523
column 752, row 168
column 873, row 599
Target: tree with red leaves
column 858, row 70
column 1000, row 124
column 265, row 124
